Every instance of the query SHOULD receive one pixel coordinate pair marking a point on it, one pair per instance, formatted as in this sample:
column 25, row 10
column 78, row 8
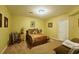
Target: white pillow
column 71, row 44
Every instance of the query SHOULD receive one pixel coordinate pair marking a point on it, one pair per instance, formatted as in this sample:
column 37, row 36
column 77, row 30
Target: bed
column 68, row 46
column 36, row 37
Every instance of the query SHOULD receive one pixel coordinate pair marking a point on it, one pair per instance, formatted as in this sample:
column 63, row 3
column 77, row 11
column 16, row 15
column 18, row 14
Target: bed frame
column 30, row 42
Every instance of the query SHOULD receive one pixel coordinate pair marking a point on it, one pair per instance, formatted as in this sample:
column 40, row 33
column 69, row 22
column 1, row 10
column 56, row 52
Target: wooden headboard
column 34, row 31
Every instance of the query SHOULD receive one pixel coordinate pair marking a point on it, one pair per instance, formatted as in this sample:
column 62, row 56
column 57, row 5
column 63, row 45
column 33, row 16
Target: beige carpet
column 21, row 48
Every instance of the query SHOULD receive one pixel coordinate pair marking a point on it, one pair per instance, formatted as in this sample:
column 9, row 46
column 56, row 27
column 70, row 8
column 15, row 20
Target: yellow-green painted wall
column 73, row 24
column 72, row 17
column 53, row 32
column 4, row 32
column 74, row 28
column 19, row 22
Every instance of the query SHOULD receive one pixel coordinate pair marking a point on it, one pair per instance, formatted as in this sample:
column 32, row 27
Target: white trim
column 3, row 50
column 52, row 38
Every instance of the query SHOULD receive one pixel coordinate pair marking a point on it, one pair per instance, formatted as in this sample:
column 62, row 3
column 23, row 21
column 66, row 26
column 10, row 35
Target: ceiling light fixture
column 41, row 11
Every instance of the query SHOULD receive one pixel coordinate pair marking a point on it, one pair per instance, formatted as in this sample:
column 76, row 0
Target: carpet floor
column 21, row 48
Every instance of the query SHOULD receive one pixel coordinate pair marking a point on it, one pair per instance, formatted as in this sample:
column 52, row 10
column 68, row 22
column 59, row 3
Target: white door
column 63, row 29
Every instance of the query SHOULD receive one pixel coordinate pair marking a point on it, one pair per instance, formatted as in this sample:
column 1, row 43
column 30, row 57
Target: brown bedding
column 76, row 40
column 38, row 37
column 62, row 50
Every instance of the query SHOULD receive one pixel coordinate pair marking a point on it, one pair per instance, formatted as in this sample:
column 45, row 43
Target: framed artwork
column 32, row 24
column 5, row 22
column 0, row 20
column 50, row 25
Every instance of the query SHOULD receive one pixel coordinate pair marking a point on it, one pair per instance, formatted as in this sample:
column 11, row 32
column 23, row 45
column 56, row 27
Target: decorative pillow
column 34, row 31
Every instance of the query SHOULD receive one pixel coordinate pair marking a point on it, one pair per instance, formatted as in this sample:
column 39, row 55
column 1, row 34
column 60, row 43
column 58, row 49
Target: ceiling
column 28, row 10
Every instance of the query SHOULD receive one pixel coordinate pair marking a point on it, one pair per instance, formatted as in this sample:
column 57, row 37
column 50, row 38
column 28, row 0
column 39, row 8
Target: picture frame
column 0, row 20
column 50, row 25
column 5, row 22
column 32, row 24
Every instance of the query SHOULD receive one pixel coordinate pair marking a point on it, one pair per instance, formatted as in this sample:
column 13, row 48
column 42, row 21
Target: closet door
column 63, row 29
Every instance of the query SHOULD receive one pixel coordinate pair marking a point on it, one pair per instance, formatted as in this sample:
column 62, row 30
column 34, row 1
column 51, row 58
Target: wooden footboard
column 35, row 41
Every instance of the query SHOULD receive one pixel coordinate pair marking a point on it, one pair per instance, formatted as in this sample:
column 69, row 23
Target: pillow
column 70, row 44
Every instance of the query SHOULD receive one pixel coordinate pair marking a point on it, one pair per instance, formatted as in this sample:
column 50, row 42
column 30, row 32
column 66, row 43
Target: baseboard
column 3, row 50
column 56, row 39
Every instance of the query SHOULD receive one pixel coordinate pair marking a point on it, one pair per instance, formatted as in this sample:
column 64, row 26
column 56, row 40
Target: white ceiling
column 28, row 10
